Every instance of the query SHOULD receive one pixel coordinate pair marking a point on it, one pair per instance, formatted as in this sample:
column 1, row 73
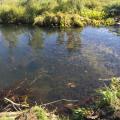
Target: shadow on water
column 57, row 64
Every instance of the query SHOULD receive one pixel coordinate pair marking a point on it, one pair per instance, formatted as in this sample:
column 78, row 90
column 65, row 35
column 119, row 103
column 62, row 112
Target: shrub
column 39, row 20
column 65, row 21
column 109, row 21
column 51, row 19
column 62, row 13
column 112, row 10
column 69, row 5
column 92, row 14
column 77, row 21
column 92, row 4
column 96, row 23
column 11, row 14
column 32, row 10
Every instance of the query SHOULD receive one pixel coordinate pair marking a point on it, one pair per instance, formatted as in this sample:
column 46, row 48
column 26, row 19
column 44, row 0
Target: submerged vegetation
column 59, row 13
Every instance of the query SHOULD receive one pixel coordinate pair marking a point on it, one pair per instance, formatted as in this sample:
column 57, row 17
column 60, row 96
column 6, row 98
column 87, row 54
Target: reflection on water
column 58, row 64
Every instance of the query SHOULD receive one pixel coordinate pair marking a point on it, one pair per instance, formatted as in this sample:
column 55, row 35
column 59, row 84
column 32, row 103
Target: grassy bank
column 106, row 106
column 60, row 13
column 34, row 113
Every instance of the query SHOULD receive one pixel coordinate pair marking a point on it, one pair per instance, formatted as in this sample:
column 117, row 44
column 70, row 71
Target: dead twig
column 16, row 104
column 65, row 100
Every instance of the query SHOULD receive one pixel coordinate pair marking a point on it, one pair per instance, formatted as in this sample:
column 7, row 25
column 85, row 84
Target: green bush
column 39, row 20
column 93, row 14
column 78, row 21
column 62, row 20
column 109, row 21
column 112, row 10
column 32, row 10
column 69, row 6
column 60, row 13
column 11, row 14
column 92, row 4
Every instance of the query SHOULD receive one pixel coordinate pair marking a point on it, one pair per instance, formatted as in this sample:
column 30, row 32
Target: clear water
column 56, row 64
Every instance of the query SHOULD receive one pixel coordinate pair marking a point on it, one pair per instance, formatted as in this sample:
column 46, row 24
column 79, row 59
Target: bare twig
column 15, row 104
column 6, row 108
column 66, row 100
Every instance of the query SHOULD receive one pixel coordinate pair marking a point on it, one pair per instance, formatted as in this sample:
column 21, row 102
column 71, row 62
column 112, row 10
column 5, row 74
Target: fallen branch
column 15, row 104
column 10, row 114
column 66, row 100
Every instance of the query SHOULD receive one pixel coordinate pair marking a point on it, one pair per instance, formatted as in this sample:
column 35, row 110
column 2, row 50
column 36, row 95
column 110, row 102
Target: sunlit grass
column 47, row 11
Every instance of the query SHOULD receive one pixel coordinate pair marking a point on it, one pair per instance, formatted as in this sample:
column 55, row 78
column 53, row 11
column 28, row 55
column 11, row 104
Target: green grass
column 40, row 113
column 110, row 99
column 111, row 94
column 59, row 12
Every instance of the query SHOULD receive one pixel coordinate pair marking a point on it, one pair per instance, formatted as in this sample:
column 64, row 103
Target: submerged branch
column 65, row 100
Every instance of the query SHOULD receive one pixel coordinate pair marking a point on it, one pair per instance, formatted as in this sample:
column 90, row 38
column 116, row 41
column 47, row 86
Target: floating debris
column 71, row 85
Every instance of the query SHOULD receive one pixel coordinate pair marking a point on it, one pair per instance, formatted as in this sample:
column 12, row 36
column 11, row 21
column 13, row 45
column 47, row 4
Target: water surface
column 58, row 64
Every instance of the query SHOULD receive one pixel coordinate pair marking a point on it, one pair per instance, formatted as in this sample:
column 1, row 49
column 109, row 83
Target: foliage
column 6, row 118
column 62, row 20
column 65, row 20
column 111, row 94
column 113, row 10
column 11, row 14
column 39, row 20
column 82, row 113
column 109, row 21
column 62, row 13
column 108, row 103
column 93, row 14
column 92, row 4
column 69, row 6
column 40, row 113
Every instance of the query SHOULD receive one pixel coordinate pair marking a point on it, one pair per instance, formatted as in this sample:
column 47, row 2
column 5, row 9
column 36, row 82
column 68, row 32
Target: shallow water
column 58, row 64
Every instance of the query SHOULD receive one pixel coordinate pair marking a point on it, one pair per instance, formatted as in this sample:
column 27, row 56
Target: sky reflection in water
column 58, row 64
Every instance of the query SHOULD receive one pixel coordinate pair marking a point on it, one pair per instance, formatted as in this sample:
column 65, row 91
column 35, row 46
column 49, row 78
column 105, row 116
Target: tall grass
column 111, row 94
column 26, row 11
